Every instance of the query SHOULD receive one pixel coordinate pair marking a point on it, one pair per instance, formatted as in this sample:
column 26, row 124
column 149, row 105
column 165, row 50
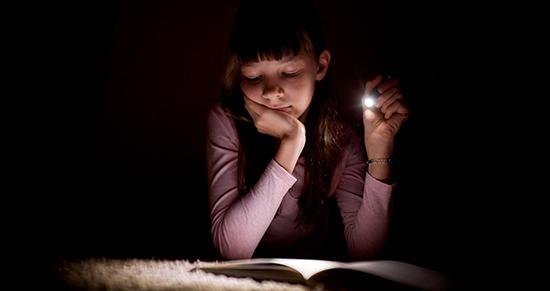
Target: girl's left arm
column 364, row 204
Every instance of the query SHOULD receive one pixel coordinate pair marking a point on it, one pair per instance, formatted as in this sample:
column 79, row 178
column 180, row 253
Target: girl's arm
column 239, row 222
column 363, row 202
column 364, row 194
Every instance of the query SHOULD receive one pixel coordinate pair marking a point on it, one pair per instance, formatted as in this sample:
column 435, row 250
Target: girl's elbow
column 234, row 253
column 229, row 249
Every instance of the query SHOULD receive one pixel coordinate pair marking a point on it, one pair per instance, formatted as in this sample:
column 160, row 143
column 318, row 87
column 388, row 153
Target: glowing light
column 368, row 102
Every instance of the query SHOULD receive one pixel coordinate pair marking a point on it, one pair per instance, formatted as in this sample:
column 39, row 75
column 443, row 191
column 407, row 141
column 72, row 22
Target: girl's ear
column 324, row 61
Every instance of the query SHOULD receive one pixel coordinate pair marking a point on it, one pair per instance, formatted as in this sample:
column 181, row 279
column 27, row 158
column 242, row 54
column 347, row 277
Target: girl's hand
column 382, row 122
column 287, row 128
column 273, row 122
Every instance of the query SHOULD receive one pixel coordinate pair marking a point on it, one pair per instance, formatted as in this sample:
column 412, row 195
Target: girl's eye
column 253, row 79
column 290, row 74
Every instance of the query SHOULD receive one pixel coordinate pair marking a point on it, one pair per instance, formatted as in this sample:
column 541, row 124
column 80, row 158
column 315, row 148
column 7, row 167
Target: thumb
column 370, row 115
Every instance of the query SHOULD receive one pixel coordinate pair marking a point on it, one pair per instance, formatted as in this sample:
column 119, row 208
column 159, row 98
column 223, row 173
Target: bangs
column 272, row 46
column 270, row 30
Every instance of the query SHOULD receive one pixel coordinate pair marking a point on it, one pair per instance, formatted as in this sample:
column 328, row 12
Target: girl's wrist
column 295, row 140
column 298, row 131
column 379, row 147
column 379, row 153
column 289, row 151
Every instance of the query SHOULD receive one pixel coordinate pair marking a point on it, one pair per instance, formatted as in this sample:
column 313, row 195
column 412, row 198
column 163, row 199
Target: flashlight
column 370, row 99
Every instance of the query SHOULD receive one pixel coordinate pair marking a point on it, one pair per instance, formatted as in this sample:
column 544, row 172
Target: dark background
column 123, row 90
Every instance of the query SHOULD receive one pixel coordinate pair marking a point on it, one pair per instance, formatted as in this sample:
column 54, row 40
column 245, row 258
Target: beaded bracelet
column 380, row 161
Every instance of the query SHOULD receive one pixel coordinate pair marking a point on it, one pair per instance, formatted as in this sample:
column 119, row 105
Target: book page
column 260, row 269
column 403, row 273
column 305, row 267
column 308, row 267
column 291, row 269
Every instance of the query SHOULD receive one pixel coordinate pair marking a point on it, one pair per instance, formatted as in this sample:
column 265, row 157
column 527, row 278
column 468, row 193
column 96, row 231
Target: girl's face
column 287, row 84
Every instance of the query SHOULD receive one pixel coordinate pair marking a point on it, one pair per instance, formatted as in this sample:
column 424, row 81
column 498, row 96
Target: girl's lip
column 283, row 108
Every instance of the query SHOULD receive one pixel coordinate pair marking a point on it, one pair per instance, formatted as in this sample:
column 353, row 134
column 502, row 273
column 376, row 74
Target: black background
column 116, row 159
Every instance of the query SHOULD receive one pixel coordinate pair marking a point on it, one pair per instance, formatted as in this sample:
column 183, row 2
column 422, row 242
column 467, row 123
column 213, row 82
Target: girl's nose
column 272, row 92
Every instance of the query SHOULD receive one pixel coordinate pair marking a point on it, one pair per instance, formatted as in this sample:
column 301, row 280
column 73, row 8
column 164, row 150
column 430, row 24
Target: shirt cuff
column 281, row 173
column 377, row 186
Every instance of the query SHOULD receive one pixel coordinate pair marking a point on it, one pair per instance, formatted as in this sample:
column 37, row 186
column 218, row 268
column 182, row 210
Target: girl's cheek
column 245, row 88
column 250, row 91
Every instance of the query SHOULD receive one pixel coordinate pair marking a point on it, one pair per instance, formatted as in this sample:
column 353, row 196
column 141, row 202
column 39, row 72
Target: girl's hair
column 271, row 30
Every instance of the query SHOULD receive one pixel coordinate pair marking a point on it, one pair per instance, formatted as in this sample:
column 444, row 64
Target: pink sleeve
column 364, row 204
column 238, row 222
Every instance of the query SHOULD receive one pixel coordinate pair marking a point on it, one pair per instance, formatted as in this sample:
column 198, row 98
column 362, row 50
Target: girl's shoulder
column 217, row 113
column 219, row 117
column 218, row 109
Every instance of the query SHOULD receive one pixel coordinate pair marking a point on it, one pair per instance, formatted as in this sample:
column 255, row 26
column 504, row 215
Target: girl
column 276, row 155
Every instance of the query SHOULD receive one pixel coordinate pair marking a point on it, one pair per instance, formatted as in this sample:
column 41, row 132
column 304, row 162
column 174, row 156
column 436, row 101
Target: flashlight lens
column 368, row 102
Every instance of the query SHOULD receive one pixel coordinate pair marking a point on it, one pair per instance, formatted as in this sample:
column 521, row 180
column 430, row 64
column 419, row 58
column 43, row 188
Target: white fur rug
column 107, row 274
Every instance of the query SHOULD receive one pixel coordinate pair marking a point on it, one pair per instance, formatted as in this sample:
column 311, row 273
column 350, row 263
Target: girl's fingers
column 385, row 96
column 372, row 84
column 389, row 101
column 391, row 109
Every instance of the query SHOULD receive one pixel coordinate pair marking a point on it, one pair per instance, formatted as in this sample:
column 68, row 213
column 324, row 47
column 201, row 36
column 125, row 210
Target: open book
column 382, row 274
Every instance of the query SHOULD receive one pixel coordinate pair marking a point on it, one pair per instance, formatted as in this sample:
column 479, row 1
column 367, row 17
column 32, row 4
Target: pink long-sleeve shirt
column 267, row 213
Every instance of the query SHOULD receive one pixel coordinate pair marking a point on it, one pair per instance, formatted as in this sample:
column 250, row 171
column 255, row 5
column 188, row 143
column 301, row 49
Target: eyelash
column 291, row 75
column 254, row 79
column 284, row 74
